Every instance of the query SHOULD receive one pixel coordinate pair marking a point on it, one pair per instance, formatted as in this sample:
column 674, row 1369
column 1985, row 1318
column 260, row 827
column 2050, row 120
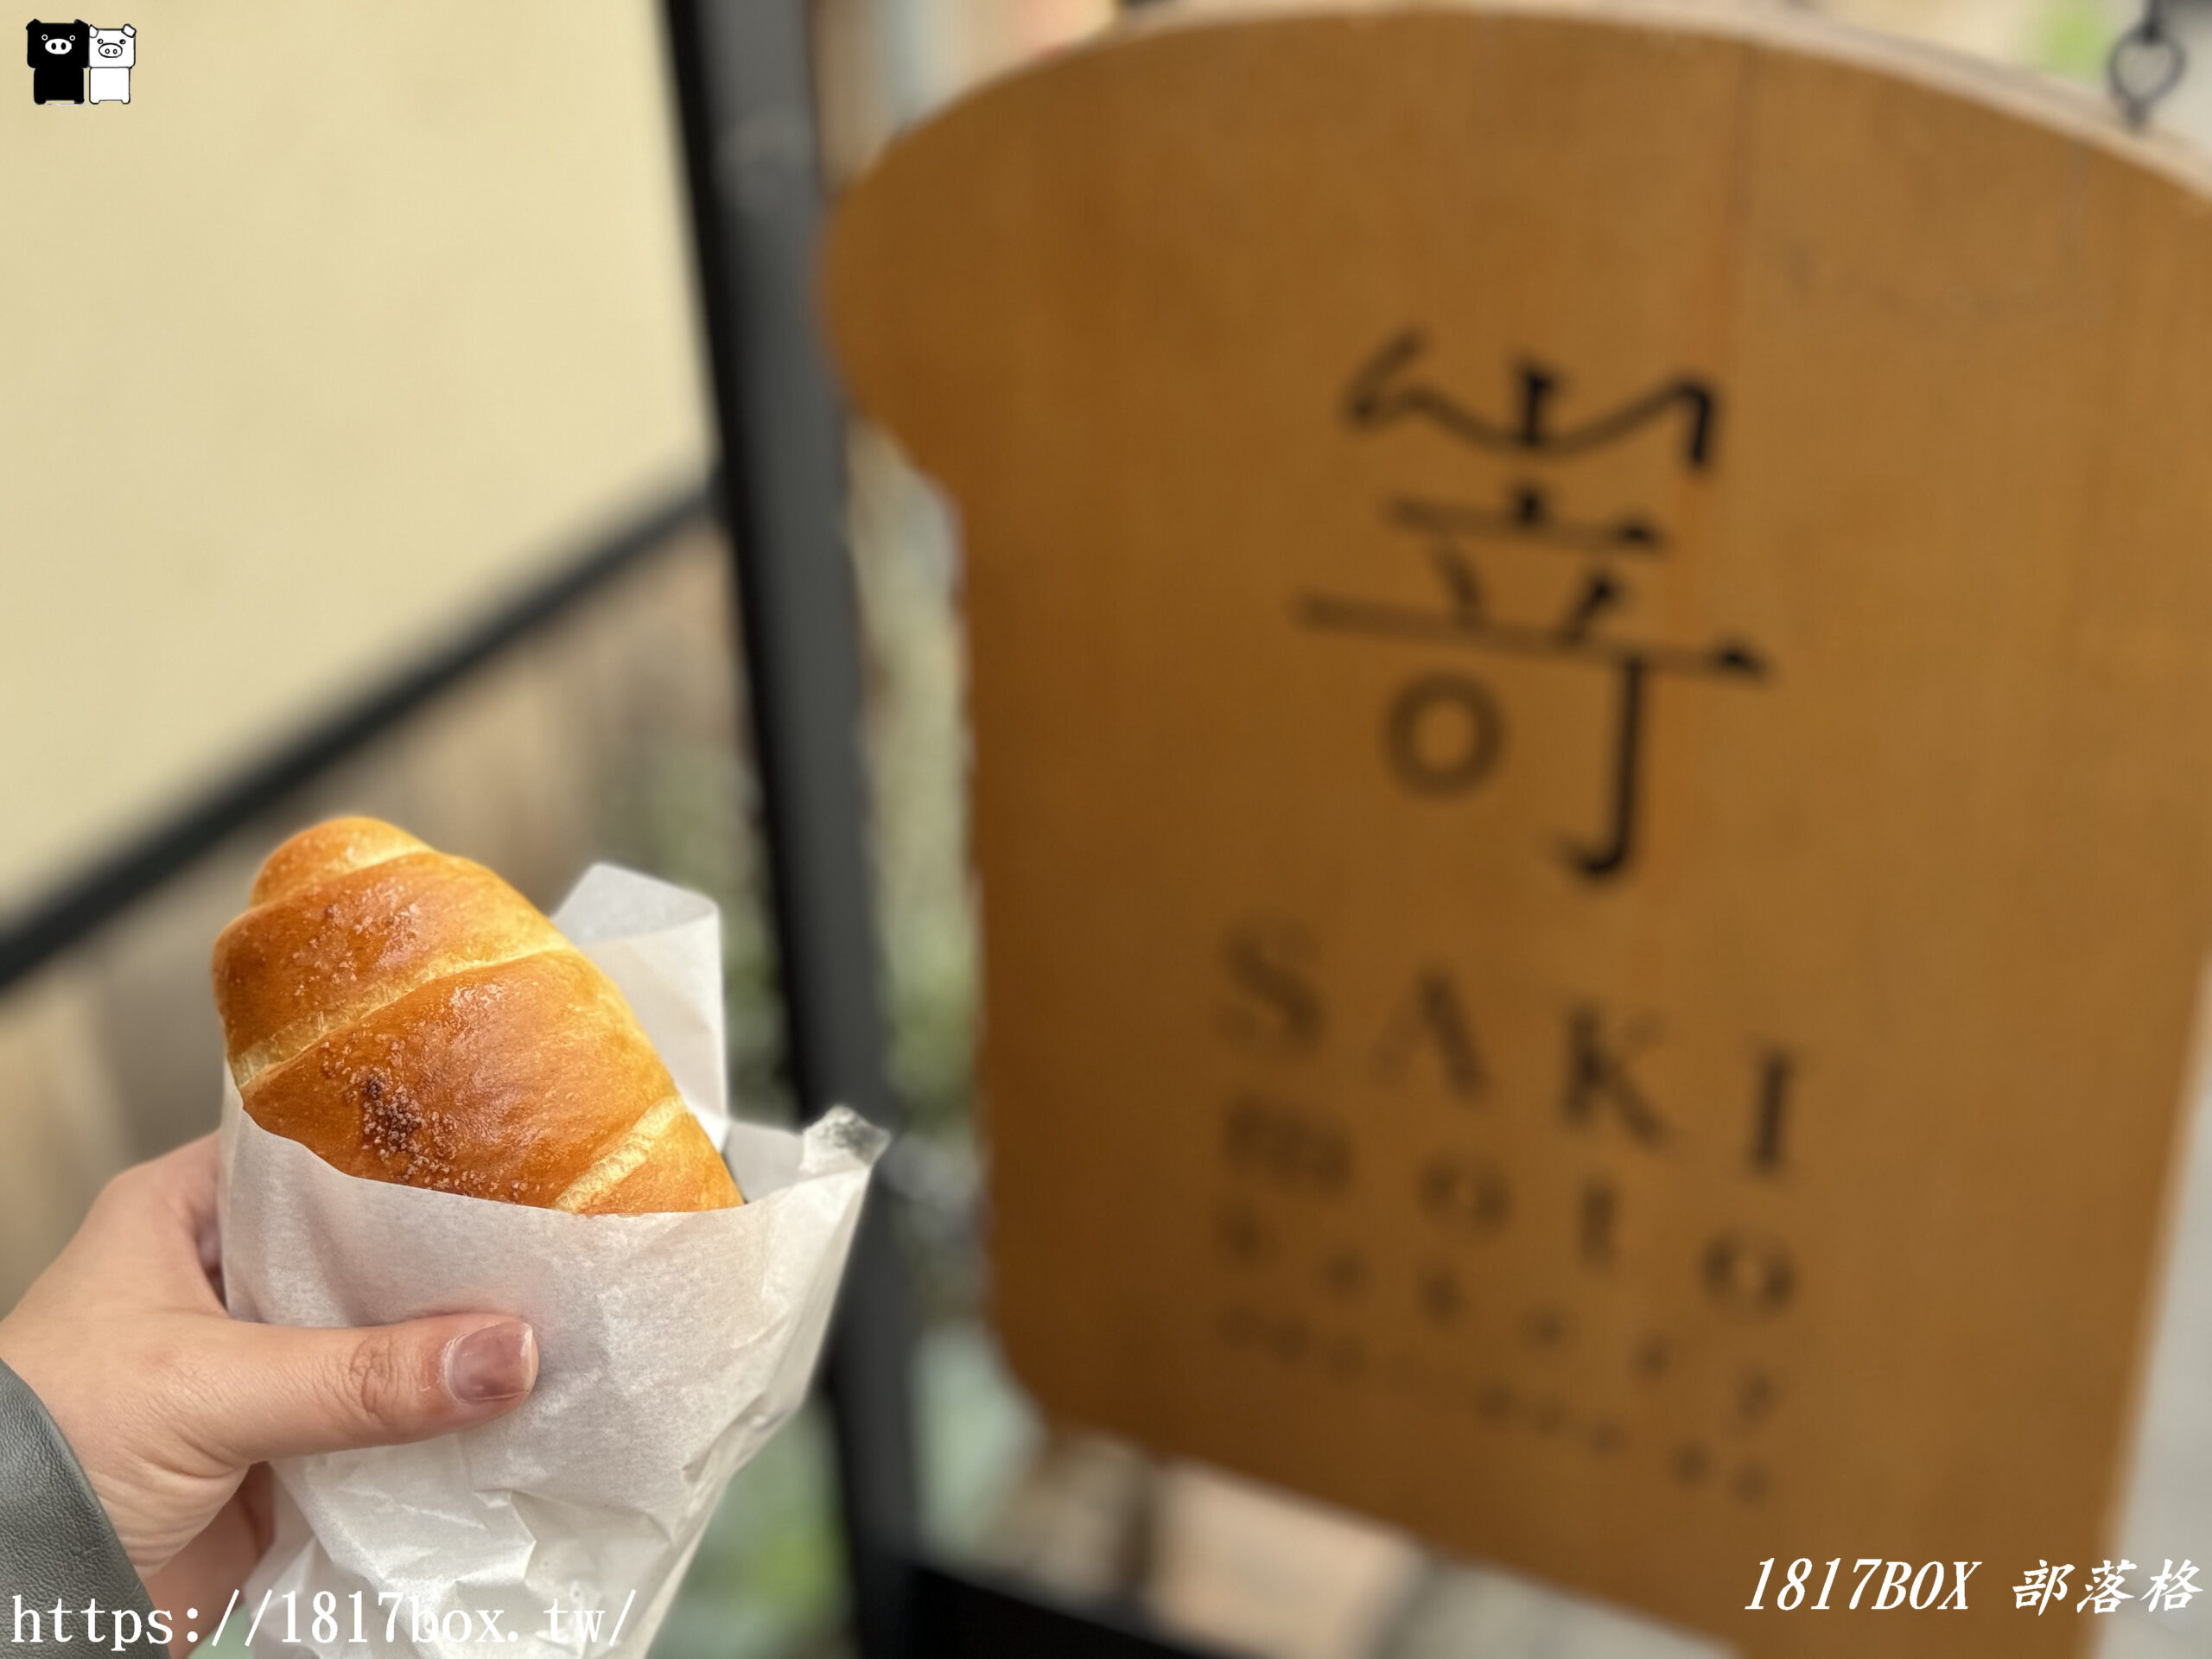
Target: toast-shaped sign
column 1591, row 654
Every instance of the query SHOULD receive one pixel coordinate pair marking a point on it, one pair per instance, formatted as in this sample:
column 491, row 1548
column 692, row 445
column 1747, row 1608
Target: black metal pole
column 743, row 79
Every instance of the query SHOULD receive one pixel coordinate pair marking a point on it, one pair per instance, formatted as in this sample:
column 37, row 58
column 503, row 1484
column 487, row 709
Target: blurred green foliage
column 2072, row 38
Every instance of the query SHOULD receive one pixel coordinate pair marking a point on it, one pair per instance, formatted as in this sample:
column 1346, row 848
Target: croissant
column 408, row 1016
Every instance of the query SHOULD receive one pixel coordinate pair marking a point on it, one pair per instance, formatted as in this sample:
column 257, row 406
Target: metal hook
column 2147, row 62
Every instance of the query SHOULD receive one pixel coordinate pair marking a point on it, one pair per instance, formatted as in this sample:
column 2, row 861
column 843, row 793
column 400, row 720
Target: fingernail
column 498, row 1363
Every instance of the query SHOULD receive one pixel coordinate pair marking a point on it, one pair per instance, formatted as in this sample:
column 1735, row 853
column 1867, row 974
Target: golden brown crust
column 408, row 1017
column 333, row 950
column 326, row 849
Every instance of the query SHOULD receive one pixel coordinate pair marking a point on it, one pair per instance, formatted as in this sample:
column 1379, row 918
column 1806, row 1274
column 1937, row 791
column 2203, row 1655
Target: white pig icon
column 114, row 51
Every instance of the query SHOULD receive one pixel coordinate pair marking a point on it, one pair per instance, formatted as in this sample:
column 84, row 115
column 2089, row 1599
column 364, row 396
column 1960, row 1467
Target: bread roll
column 408, row 1016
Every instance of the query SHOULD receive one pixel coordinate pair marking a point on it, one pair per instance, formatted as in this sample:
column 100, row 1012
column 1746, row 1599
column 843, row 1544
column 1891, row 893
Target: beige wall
column 354, row 318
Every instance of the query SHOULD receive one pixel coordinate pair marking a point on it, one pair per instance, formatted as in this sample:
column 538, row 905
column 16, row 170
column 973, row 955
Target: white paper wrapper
column 671, row 1347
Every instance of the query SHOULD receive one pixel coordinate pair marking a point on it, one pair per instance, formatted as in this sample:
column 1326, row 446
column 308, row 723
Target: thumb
column 294, row 1390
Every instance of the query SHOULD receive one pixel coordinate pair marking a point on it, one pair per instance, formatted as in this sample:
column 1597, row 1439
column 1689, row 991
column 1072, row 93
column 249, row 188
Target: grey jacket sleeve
column 58, row 1548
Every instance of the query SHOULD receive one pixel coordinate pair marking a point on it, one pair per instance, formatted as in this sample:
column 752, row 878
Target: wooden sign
column 1591, row 633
